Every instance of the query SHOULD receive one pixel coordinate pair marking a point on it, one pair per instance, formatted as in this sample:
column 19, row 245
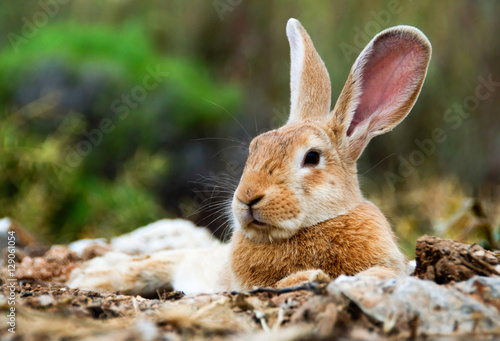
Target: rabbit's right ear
column 382, row 87
column 309, row 80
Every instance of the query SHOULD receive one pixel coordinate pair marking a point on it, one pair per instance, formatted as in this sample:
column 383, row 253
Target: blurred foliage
column 228, row 76
column 57, row 93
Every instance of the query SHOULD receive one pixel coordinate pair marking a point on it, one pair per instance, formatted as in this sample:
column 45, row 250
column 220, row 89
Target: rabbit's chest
column 263, row 264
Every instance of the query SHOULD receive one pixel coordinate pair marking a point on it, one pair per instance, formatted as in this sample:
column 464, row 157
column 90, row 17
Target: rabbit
column 298, row 211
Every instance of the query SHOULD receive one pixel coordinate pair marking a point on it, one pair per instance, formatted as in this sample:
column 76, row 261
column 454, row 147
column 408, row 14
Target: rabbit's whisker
column 234, row 118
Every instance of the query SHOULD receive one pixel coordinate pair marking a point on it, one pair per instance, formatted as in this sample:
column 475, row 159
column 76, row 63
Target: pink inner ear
column 388, row 79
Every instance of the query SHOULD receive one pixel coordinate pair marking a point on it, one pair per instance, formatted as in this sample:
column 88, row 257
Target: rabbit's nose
column 253, row 201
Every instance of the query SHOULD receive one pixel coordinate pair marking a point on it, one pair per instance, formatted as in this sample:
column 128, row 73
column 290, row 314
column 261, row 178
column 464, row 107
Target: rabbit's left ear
column 382, row 87
column 309, row 80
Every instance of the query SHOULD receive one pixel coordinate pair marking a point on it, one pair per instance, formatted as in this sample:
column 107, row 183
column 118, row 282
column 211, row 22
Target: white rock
column 438, row 308
column 411, row 266
column 166, row 234
column 46, row 300
column 4, row 225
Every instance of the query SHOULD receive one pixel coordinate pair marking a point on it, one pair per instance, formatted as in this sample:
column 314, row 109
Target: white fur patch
column 109, row 270
column 297, row 53
column 200, row 270
column 172, row 252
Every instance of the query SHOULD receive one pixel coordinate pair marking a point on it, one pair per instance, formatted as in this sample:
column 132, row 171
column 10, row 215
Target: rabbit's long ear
column 382, row 87
column 309, row 80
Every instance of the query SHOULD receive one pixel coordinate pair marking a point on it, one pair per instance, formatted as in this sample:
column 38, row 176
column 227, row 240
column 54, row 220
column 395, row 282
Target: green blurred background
column 118, row 113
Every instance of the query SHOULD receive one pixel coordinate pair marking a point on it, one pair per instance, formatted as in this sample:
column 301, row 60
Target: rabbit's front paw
column 319, row 276
column 303, row 277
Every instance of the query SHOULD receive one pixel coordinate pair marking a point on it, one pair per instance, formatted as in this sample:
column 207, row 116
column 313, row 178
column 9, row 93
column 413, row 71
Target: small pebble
column 479, row 253
column 3, row 302
column 45, row 300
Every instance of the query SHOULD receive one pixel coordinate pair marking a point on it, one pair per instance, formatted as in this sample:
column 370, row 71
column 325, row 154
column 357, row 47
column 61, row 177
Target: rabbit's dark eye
column 311, row 159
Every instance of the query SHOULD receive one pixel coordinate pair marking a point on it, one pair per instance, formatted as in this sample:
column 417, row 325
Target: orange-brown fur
column 271, row 172
column 348, row 245
column 292, row 218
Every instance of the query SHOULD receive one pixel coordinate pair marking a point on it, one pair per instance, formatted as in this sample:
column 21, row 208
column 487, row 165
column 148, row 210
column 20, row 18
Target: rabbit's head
column 304, row 173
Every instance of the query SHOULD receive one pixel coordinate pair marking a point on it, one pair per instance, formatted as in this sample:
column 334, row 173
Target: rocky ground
column 454, row 294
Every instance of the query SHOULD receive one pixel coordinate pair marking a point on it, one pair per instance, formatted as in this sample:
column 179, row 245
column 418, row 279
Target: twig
column 316, row 288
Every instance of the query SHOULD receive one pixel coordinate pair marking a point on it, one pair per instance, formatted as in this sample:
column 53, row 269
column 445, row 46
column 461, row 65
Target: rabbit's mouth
column 260, row 232
column 258, row 223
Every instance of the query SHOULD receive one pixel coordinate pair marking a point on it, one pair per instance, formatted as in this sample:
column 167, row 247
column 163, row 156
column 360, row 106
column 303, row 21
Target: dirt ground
column 463, row 306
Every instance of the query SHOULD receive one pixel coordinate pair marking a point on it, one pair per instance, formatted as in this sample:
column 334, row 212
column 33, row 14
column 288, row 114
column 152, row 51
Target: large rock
column 410, row 306
column 444, row 260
